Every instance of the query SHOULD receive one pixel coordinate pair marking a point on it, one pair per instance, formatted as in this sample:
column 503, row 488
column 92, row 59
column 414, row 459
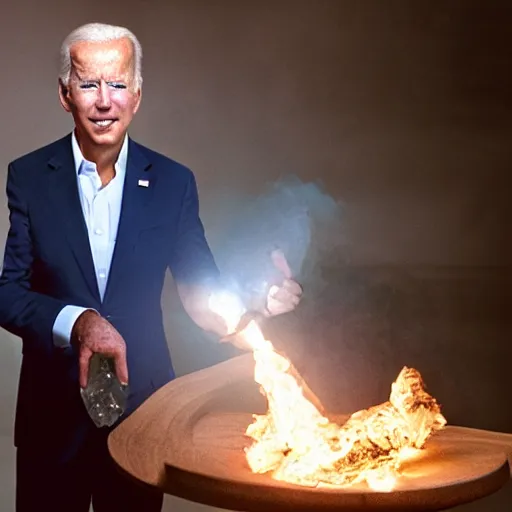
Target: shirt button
column 102, row 275
column 98, row 231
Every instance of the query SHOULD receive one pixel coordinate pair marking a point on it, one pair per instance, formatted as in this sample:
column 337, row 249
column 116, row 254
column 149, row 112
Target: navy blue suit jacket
column 48, row 264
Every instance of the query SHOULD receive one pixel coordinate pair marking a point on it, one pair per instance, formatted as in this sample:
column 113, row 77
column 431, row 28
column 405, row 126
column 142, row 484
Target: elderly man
column 95, row 221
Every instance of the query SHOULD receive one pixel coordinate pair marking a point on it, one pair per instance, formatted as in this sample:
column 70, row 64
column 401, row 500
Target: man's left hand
column 285, row 297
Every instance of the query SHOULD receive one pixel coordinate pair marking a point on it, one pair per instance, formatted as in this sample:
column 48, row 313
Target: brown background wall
column 400, row 110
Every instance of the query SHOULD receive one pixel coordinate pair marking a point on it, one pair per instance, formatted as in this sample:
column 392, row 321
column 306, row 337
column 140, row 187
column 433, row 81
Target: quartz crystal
column 104, row 397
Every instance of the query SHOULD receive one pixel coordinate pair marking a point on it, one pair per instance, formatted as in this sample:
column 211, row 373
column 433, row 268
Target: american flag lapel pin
column 144, row 183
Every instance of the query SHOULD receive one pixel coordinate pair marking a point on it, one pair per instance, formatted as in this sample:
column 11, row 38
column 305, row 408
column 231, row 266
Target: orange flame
column 295, row 443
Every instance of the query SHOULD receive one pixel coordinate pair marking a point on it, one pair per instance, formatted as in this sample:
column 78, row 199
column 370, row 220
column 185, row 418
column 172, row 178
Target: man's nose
column 103, row 101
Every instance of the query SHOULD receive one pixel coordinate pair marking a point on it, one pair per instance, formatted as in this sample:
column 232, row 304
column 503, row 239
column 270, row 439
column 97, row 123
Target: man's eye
column 117, row 85
column 87, row 85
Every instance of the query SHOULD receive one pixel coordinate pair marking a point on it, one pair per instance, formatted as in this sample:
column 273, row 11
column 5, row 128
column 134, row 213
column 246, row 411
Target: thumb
column 83, row 365
column 279, row 261
column 121, row 368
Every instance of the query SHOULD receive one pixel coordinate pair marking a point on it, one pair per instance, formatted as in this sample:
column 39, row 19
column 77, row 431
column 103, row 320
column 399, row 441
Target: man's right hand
column 92, row 333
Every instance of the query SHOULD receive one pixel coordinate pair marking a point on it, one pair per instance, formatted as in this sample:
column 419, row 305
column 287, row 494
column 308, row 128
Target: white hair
column 99, row 33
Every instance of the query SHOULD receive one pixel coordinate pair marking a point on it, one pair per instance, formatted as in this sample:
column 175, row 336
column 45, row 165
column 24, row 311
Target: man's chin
column 107, row 139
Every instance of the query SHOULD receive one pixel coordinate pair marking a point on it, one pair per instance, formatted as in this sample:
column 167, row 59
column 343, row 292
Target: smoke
column 298, row 218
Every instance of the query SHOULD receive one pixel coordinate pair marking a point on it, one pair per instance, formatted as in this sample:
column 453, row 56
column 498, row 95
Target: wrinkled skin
column 93, row 333
column 102, row 96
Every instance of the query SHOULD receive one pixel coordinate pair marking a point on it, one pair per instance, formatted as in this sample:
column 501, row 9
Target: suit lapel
column 135, row 197
column 63, row 192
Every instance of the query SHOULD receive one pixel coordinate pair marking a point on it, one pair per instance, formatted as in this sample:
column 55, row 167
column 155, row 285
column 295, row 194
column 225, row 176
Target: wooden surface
column 188, row 440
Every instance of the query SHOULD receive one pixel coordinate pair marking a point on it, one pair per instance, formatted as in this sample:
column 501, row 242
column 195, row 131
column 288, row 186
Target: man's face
column 101, row 95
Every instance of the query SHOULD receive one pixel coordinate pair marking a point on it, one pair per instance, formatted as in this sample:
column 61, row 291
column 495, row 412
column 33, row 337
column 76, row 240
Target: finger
column 121, row 367
column 276, row 308
column 279, row 261
column 285, row 296
column 83, row 365
column 283, row 304
column 293, row 287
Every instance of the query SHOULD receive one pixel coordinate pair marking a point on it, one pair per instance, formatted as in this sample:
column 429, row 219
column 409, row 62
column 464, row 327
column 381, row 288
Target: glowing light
column 229, row 306
column 294, row 442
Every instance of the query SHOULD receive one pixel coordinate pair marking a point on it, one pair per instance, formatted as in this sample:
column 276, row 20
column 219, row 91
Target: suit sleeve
column 192, row 261
column 23, row 312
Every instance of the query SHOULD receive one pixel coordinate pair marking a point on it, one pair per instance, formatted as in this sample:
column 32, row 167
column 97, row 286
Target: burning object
column 296, row 443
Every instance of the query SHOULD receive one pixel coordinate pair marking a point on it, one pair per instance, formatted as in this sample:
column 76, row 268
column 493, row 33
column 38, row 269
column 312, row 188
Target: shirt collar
column 120, row 165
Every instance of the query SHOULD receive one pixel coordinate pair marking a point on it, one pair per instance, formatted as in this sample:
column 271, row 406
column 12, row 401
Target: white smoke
column 298, row 218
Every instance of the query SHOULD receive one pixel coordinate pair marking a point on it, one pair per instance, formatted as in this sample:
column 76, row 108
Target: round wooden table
column 188, row 440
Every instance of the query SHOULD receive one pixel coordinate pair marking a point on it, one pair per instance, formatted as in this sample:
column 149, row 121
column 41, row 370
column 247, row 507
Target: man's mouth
column 103, row 123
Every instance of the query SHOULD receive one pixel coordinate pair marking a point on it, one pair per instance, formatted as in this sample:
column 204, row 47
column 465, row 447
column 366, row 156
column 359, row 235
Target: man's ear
column 138, row 100
column 64, row 96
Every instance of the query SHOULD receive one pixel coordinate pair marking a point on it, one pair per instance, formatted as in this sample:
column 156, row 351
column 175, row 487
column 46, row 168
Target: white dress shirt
column 101, row 207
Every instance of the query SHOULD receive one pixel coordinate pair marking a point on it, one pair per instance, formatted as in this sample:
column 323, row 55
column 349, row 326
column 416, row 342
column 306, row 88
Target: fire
column 296, row 443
